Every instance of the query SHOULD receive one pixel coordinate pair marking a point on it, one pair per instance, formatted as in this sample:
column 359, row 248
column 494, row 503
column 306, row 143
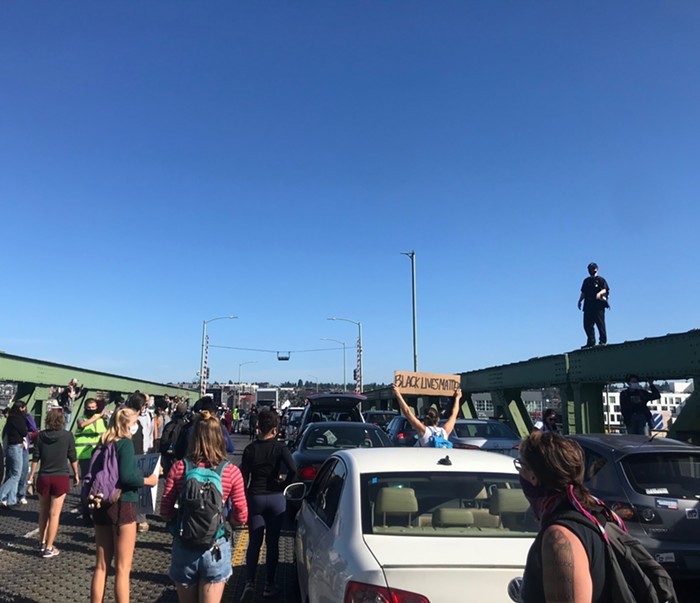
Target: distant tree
column 300, row 384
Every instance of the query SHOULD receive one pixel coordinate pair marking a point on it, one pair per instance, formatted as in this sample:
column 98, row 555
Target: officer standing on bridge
column 633, row 405
column 594, row 295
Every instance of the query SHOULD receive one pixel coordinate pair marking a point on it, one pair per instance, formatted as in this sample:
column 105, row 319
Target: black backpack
column 633, row 575
column 170, row 436
column 200, row 514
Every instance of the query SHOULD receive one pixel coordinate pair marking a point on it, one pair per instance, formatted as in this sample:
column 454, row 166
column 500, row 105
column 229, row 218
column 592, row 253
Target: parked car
column 485, row 434
column 654, row 485
column 320, row 440
column 390, row 525
column 379, row 417
column 331, row 407
column 400, row 432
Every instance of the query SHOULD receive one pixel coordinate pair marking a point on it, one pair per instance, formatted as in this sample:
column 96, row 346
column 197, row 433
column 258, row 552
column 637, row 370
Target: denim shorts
column 190, row 566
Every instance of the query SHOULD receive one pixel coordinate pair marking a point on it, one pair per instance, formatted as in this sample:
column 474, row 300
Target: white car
column 418, row 525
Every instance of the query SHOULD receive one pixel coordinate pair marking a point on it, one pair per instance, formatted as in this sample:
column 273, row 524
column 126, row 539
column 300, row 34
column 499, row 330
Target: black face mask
column 90, row 413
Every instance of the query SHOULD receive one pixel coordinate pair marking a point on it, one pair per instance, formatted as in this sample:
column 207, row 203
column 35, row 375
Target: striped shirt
column 231, row 483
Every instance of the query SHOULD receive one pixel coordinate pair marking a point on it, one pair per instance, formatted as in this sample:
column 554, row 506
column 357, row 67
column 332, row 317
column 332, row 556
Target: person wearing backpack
column 429, row 434
column 574, row 557
column 115, row 523
column 53, row 450
column 170, row 436
column 202, row 484
column 263, row 461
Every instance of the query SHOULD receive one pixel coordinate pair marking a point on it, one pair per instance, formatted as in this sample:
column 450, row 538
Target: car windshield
column 380, row 418
column 483, row 430
column 664, row 473
column 445, row 504
column 343, row 436
column 321, row 414
column 295, row 415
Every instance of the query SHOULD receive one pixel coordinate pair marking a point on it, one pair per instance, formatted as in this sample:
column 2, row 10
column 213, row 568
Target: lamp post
column 412, row 256
column 359, row 345
column 243, row 364
column 315, row 378
column 345, row 379
column 202, row 378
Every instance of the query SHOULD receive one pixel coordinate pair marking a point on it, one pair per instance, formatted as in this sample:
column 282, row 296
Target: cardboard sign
column 428, row 384
column 147, row 464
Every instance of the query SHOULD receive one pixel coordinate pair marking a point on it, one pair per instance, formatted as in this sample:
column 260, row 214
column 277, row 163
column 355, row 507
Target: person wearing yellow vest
column 91, row 426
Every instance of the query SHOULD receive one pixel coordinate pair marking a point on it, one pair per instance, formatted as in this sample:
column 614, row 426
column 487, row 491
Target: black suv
column 331, row 407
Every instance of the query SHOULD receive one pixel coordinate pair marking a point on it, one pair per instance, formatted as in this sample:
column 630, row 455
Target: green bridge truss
column 37, row 379
column 582, row 376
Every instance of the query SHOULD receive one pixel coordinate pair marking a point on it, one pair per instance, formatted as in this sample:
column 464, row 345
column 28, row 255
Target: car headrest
column 508, row 500
column 396, row 500
column 446, row 518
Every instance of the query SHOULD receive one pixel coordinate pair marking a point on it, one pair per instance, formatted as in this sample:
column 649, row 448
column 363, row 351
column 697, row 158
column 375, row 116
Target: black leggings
column 265, row 516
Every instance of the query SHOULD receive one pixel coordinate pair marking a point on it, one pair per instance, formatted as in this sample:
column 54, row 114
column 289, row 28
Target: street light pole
column 243, row 364
column 202, row 378
column 359, row 345
column 345, row 378
column 412, row 255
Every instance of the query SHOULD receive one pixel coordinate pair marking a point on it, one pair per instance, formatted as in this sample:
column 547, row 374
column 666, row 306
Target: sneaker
column 23, row 501
column 248, row 593
column 48, row 553
column 271, row 590
column 42, row 548
column 3, row 503
column 142, row 527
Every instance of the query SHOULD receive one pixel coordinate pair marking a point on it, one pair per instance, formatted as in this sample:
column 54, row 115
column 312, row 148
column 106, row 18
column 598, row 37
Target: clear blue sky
column 168, row 162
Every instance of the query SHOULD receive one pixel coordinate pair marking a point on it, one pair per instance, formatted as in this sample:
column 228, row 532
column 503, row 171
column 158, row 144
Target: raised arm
column 406, row 411
column 450, row 423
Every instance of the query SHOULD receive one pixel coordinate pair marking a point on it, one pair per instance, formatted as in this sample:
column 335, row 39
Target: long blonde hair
column 119, row 425
column 207, row 444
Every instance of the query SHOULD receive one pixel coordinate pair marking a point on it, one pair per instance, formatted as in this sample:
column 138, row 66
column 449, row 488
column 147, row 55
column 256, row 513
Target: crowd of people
column 194, row 443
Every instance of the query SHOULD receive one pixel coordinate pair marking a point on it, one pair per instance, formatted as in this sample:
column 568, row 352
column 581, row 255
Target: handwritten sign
column 147, row 464
column 426, row 383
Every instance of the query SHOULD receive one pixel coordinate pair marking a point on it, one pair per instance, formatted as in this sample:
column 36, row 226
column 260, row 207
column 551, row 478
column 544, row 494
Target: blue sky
column 163, row 163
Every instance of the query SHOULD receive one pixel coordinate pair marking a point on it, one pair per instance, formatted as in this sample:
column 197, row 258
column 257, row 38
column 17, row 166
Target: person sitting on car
column 429, row 426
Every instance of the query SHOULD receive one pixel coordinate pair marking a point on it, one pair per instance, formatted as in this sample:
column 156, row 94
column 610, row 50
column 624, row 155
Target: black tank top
column 593, row 544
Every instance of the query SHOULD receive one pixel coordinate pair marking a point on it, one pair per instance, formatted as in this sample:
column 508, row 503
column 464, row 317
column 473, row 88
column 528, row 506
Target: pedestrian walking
column 567, row 561
column 200, row 571
column 594, row 295
column 15, row 432
column 115, row 524
column 548, row 422
column 264, row 460
column 24, row 481
column 252, row 423
column 53, row 450
column 428, row 428
column 633, row 406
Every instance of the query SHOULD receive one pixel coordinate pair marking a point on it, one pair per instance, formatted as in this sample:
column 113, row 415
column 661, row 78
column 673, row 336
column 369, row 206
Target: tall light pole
column 345, row 378
column 359, row 347
column 202, row 378
column 315, row 378
column 243, row 364
column 412, row 255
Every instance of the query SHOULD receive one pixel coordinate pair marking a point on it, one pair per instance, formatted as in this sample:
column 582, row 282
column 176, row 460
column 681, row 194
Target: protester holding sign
column 429, row 434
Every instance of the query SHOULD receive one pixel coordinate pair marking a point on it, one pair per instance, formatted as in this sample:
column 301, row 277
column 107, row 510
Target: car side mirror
column 295, row 492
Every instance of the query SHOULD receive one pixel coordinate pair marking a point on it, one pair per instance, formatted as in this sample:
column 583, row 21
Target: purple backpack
column 101, row 482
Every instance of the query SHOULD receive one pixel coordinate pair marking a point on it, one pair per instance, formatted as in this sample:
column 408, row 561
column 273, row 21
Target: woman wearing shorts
column 53, row 448
column 200, row 575
column 115, row 525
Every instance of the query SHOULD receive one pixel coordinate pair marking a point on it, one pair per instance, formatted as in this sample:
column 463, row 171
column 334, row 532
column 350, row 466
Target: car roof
column 352, row 424
column 418, row 460
column 342, row 398
column 623, row 444
column 478, row 421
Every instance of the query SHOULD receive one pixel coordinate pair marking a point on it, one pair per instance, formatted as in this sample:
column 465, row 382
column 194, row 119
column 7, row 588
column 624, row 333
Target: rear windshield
column 295, row 415
column 483, row 430
column 445, row 505
column 664, row 473
column 379, row 417
column 344, row 436
column 333, row 414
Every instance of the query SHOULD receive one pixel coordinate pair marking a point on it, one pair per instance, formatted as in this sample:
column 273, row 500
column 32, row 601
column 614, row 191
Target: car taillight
column 401, row 435
column 307, row 473
column 357, row 592
column 465, row 446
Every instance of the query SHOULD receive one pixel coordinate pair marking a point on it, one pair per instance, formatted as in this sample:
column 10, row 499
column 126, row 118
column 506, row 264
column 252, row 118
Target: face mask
column 531, row 491
column 134, row 428
column 90, row 413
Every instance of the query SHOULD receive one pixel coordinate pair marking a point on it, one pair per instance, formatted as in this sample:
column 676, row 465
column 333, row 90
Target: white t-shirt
column 423, row 441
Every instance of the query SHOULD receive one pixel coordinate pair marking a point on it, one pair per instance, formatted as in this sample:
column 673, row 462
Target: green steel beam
column 18, row 369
